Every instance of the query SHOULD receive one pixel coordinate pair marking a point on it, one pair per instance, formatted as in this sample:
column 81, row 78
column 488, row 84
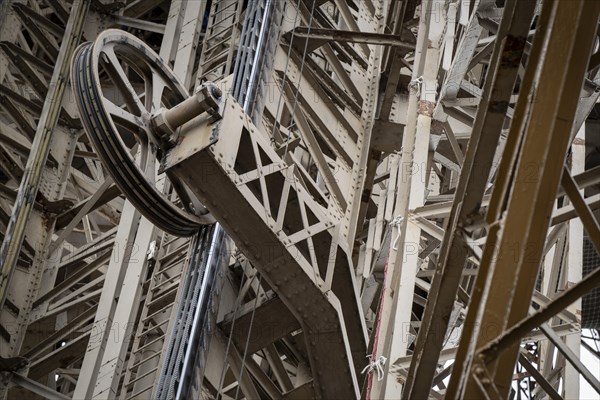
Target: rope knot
column 415, row 85
column 375, row 365
column 396, row 222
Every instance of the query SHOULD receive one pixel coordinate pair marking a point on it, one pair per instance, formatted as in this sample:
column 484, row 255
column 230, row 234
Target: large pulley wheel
column 119, row 84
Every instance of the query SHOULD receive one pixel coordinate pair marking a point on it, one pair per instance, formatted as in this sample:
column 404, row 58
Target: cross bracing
column 299, row 199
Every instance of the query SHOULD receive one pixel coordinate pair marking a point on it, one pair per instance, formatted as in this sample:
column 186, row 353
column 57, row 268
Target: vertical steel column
column 112, row 360
column 390, row 284
column 182, row 37
column 402, row 263
column 15, row 231
column 104, row 323
column 504, row 65
column 530, row 175
column 574, row 267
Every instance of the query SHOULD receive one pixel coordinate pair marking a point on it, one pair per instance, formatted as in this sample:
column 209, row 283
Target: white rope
column 152, row 249
column 375, row 365
column 416, row 85
column 396, row 222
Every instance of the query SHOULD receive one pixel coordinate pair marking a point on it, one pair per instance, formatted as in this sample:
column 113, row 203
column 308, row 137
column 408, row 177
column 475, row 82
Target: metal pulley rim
column 109, row 144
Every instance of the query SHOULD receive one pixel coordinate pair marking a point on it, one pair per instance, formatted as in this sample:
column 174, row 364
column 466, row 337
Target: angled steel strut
column 268, row 212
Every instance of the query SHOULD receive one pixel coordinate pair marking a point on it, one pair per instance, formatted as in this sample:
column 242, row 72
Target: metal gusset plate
column 119, row 83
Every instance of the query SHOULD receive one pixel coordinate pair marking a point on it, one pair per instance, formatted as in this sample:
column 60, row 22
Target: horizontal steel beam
column 37, row 388
column 337, row 35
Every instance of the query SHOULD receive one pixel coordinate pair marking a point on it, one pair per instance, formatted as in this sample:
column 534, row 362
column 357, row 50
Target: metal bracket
column 206, row 99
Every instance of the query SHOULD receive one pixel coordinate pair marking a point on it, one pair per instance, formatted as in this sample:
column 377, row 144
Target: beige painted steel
column 342, row 163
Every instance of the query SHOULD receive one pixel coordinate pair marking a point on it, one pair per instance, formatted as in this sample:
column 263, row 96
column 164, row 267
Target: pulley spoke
column 149, row 165
column 156, row 88
column 121, row 116
column 119, row 77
